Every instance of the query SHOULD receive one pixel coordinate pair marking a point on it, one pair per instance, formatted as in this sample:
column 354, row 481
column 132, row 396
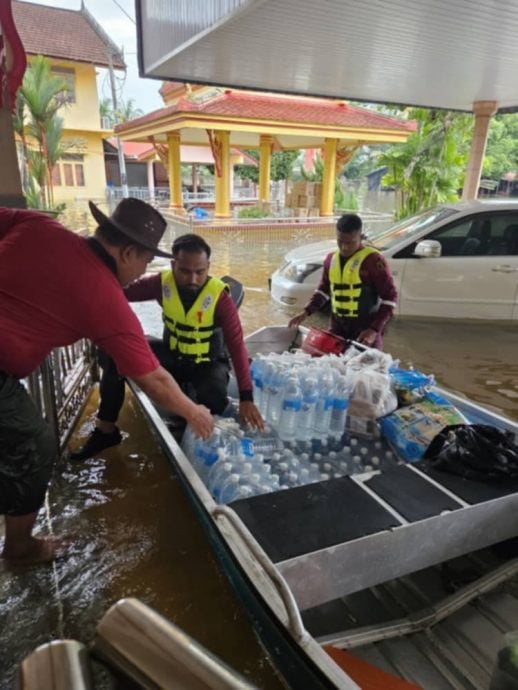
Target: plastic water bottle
column 307, row 411
column 275, row 395
column 340, row 404
column 229, row 488
column 290, row 411
column 257, row 373
column 324, row 406
column 207, row 452
column 265, row 442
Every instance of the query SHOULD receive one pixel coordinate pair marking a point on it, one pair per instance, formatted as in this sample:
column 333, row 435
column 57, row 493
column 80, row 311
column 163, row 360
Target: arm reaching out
column 164, row 391
column 298, row 319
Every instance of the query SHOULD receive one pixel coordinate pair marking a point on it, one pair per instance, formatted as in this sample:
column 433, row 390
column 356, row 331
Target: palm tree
column 127, row 111
column 41, row 93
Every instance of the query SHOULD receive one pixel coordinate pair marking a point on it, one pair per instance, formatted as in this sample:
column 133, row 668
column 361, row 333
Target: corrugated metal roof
column 63, row 34
column 437, row 53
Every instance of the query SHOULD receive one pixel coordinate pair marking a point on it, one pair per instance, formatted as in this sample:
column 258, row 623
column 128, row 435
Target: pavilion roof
column 71, row 35
column 219, row 108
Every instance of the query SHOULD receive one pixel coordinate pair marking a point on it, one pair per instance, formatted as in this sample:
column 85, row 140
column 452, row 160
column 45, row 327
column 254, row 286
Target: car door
column 476, row 275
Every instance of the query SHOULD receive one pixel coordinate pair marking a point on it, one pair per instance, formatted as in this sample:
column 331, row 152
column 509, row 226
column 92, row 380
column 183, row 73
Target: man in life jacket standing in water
column 358, row 281
column 201, row 324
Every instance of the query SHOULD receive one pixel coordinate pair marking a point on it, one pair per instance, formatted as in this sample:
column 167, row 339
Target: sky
column 117, row 18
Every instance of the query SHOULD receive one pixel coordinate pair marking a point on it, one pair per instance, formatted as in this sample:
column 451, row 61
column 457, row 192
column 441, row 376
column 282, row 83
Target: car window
column 414, row 225
column 482, row 235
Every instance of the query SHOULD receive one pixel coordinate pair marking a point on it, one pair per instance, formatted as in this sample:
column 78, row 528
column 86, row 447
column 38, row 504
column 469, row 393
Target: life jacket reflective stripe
column 349, row 296
column 190, row 334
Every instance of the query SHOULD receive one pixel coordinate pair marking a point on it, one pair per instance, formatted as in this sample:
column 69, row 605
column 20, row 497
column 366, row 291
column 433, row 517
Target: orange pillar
column 483, row 111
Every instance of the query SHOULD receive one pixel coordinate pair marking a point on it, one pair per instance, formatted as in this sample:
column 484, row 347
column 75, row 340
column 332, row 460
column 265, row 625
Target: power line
column 123, row 10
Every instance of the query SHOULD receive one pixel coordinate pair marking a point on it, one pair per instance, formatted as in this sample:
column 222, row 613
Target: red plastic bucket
column 319, row 342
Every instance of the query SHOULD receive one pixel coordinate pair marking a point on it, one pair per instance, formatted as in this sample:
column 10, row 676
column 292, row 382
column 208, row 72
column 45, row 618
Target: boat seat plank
column 471, row 491
column 308, row 518
column 411, row 495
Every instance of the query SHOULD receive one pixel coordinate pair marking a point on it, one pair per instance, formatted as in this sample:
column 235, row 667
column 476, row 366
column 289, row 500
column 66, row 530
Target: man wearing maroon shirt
column 359, row 284
column 200, row 323
column 57, row 287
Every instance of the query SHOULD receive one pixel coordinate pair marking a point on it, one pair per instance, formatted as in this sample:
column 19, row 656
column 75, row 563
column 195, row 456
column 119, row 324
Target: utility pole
column 122, row 161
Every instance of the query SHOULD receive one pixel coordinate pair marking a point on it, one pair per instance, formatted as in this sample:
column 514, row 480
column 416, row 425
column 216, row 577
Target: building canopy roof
column 434, row 53
column 294, row 122
column 71, row 35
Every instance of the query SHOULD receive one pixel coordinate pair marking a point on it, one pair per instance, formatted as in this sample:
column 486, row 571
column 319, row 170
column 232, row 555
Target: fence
column 61, row 385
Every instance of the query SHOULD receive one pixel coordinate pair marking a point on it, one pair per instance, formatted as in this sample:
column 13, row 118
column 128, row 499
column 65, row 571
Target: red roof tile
column 262, row 106
column 65, row 34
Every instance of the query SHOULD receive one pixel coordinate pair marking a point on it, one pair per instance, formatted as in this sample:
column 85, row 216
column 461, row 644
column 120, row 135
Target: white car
column 451, row 261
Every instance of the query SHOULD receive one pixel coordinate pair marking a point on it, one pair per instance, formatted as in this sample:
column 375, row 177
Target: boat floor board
column 469, row 490
column 412, row 495
column 308, row 518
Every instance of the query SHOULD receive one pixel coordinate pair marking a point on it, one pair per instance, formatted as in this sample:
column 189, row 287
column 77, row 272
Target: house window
column 72, row 170
column 80, row 177
column 56, row 176
column 69, row 174
column 69, row 77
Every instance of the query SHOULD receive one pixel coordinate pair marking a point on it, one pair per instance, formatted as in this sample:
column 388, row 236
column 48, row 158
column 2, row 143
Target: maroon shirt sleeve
column 376, row 272
column 227, row 318
column 323, row 292
column 144, row 289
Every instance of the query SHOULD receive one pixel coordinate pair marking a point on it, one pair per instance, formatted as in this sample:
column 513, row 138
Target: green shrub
column 253, row 212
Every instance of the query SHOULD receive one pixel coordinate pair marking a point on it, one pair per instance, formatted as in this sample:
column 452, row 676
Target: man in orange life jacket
column 200, row 324
column 358, row 281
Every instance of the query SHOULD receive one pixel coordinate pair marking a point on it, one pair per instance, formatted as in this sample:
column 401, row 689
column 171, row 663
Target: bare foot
column 37, row 550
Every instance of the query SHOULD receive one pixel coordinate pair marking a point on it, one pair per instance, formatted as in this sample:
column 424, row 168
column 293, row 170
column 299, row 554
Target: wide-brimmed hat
column 137, row 220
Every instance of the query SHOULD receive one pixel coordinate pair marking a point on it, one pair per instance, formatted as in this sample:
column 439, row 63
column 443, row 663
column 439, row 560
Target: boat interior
column 395, row 564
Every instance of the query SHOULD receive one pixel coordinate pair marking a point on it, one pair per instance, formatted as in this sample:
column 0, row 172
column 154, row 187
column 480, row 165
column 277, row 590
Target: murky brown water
column 136, row 534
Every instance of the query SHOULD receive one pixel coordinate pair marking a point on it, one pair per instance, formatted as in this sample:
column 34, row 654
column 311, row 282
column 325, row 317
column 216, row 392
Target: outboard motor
column 237, row 291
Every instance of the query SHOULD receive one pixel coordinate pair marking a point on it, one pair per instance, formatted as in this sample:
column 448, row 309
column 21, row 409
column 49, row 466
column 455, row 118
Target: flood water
column 135, row 533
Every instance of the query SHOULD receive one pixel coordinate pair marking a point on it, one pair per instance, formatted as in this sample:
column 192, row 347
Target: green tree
column 106, row 111
column 502, row 146
column 342, row 201
column 40, row 99
column 281, row 166
column 127, row 111
column 429, row 167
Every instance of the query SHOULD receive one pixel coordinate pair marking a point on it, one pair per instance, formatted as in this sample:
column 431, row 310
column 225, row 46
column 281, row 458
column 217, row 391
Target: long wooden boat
column 368, row 564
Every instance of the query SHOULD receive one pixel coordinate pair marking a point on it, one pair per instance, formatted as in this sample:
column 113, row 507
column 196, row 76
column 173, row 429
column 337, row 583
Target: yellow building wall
column 82, row 128
column 90, row 146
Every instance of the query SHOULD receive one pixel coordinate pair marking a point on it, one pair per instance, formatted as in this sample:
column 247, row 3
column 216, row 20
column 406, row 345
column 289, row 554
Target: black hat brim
column 102, row 219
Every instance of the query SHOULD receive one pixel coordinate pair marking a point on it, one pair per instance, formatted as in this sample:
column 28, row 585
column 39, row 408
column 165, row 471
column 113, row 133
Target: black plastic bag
column 475, row 451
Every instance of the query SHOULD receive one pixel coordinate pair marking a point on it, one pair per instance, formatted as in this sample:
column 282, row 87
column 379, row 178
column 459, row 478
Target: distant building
column 75, row 45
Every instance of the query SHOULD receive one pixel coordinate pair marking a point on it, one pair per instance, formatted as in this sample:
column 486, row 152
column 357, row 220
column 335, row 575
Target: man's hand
column 249, row 414
column 368, row 337
column 201, row 421
column 297, row 319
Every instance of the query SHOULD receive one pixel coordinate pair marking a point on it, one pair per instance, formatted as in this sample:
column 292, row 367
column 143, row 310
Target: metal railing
column 61, row 385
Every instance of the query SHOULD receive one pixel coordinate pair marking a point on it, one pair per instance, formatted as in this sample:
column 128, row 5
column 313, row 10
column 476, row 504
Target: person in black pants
column 201, row 330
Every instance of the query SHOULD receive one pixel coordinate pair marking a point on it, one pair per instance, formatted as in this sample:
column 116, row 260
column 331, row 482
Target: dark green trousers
column 28, row 450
